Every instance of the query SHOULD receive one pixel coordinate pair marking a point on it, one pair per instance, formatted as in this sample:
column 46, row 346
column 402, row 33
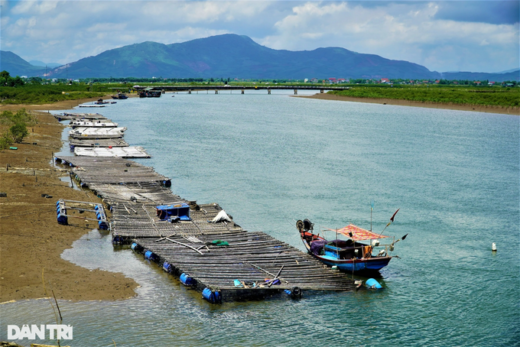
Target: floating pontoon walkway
column 240, row 270
column 218, row 258
column 112, row 171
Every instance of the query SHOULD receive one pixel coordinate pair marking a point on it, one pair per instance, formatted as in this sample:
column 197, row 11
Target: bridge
column 242, row 89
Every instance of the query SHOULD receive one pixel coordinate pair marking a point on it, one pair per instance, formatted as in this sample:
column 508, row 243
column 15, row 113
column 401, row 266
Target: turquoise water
column 270, row 160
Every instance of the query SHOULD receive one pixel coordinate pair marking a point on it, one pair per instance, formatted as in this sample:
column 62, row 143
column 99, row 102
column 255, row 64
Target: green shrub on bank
column 17, row 123
column 489, row 96
column 43, row 94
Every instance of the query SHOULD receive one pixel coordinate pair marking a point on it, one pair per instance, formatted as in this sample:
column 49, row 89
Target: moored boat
column 349, row 255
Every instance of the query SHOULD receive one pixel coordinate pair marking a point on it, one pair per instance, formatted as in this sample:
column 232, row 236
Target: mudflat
column 473, row 108
column 31, row 240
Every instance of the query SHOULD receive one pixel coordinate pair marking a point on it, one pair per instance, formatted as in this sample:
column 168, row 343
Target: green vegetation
column 16, row 124
column 16, row 91
column 464, row 95
column 36, row 90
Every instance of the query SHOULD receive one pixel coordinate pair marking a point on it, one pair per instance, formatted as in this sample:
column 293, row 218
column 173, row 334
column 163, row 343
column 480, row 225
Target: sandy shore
column 473, row 108
column 31, row 240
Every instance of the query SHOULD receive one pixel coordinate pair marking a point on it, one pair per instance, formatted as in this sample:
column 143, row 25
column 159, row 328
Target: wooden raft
column 251, row 257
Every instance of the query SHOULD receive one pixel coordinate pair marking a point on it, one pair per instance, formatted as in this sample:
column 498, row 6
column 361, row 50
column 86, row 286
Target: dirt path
column 31, row 240
column 473, row 108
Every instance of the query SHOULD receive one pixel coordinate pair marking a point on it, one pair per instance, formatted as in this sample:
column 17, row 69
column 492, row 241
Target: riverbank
column 31, row 240
column 472, row 108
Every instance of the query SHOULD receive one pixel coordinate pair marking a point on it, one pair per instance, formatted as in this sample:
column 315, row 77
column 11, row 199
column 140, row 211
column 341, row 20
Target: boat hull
column 350, row 265
column 371, row 264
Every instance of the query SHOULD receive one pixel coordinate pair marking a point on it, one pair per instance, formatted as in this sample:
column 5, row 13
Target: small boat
column 119, row 96
column 347, row 255
column 150, row 93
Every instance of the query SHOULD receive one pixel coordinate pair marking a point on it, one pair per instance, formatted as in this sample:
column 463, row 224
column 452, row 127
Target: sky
column 478, row 36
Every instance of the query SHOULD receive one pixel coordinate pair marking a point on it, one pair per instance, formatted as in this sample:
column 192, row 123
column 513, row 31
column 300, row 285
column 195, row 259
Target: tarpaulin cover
column 358, row 234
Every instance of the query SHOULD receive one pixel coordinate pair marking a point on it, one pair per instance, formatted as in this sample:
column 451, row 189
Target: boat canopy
column 358, row 234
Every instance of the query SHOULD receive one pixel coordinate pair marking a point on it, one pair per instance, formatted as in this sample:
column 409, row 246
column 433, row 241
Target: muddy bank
column 473, row 108
column 31, row 240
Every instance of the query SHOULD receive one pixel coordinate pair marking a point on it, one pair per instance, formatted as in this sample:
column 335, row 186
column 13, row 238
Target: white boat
column 116, row 152
column 97, row 133
column 93, row 124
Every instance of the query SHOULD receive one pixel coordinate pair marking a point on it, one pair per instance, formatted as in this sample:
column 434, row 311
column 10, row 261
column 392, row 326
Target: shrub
column 18, row 132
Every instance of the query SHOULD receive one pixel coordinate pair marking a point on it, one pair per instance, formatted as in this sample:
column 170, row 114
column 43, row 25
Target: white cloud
column 402, row 31
column 65, row 31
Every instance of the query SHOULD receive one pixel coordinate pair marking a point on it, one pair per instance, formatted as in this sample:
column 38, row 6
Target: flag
column 392, row 219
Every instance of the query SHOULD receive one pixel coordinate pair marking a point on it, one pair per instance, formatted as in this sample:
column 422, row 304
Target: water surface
column 270, row 160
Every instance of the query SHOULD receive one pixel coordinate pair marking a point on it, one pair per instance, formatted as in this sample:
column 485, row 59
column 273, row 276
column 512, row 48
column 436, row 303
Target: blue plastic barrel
column 133, row 246
column 212, row 296
column 149, row 255
column 373, row 284
column 187, row 280
column 167, row 267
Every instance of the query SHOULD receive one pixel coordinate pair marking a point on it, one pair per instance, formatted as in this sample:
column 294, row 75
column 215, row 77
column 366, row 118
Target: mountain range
column 234, row 56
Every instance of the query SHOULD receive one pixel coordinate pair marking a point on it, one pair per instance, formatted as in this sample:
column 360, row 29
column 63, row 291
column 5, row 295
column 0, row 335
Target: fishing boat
column 349, row 255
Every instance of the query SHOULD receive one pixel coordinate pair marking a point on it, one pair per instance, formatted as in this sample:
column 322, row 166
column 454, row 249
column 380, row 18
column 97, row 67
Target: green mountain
column 236, row 56
column 510, row 75
column 16, row 66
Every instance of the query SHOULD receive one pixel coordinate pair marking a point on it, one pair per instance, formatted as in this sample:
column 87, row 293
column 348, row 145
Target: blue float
column 150, row 256
column 212, row 296
column 187, row 280
column 167, row 267
column 373, row 284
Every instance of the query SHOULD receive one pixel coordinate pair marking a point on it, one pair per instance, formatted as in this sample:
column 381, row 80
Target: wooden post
column 268, row 91
column 242, row 91
column 296, row 92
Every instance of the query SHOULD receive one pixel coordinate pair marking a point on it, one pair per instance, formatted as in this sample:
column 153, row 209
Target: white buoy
column 493, row 247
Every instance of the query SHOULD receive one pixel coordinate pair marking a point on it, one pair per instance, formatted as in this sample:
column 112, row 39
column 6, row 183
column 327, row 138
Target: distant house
column 305, row 80
column 437, row 81
column 385, row 80
column 341, row 80
column 332, row 80
column 314, row 80
column 491, row 83
column 478, row 83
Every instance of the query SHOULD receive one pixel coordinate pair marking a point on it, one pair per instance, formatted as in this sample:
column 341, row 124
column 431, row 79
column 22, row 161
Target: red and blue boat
column 361, row 252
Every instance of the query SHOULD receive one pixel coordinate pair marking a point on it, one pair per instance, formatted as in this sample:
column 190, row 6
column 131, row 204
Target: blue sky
column 480, row 36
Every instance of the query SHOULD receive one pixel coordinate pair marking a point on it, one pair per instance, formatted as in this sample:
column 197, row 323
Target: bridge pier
column 268, row 91
column 296, row 92
column 216, row 91
column 321, row 91
column 242, row 91
column 189, row 91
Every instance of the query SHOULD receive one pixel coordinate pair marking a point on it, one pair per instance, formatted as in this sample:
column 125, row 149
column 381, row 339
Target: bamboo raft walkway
column 250, row 259
column 190, row 247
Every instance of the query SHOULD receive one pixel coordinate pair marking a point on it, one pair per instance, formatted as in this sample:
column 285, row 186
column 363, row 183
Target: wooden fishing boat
column 349, row 255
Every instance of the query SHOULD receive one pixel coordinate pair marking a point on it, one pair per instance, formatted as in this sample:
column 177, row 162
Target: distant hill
column 234, row 56
column 511, row 75
column 16, row 66
column 42, row 64
column 230, row 56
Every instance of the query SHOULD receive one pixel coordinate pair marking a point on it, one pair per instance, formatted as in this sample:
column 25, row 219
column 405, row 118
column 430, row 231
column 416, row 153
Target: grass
column 43, row 94
column 489, row 96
